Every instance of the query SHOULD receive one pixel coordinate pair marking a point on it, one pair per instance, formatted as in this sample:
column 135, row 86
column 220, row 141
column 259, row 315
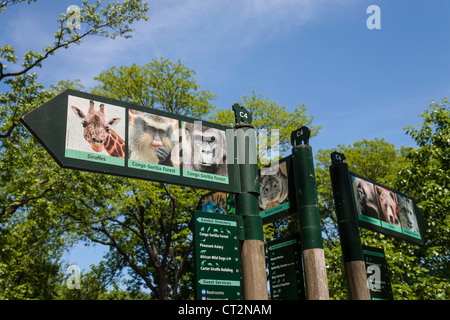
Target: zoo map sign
column 88, row 132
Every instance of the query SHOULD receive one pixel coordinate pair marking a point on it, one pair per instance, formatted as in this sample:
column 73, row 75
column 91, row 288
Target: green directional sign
column 93, row 133
column 285, row 269
column 216, row 256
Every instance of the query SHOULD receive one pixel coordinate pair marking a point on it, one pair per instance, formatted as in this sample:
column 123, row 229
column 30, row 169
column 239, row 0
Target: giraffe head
column 96, row 128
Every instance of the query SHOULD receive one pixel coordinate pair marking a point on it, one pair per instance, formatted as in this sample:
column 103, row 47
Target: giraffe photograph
column 95, row 131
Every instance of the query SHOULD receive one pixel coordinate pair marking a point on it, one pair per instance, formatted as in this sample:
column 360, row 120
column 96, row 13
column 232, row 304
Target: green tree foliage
column 377, row 160
column 426, row 177
column 272, row 122
column 32, row 230
column 160, row 84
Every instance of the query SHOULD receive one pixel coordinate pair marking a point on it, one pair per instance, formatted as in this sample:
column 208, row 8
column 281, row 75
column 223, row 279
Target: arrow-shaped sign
column 88, row 132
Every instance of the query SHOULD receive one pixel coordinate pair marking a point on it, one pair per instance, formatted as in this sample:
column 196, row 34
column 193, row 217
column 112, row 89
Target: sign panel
column 377, row 274
column 277, row 191
column 88, row 132
column 276, row 199
column 285, row 269
column 216, row 256
column 388, row 211
column 217, row 202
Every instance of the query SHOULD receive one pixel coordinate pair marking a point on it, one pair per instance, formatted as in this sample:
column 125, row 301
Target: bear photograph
column 387, row 206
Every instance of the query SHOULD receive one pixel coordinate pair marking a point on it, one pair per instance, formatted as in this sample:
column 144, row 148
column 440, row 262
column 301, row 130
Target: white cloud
column 193, row 30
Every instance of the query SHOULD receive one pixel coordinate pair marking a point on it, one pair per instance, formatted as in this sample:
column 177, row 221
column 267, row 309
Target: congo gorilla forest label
column 93, row 133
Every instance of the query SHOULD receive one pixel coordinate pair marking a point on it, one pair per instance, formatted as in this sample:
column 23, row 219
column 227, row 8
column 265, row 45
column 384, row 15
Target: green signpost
column 285, row 269
column 362, row 202
column 93, row 133
column 216, row 256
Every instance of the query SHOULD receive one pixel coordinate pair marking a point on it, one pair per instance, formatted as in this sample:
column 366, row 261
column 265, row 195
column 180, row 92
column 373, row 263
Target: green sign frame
column 277, row 191
column 124, row 139
column 385, row 210
column 217, row 256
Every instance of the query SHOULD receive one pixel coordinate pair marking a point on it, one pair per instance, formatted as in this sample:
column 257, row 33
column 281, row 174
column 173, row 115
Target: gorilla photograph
column 204, row 152
column 153, row 140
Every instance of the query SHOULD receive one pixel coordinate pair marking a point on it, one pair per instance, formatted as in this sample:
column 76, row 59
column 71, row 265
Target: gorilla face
column 204, row 149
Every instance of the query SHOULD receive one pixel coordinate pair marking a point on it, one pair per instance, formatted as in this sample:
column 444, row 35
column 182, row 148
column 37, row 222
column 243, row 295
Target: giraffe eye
column 107, row 129
column 84, row 124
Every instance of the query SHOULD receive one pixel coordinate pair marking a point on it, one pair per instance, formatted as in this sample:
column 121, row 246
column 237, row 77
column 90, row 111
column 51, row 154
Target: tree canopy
column 45, row 209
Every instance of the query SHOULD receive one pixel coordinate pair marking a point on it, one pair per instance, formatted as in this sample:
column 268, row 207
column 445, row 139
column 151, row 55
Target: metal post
column 253, row 258
column 309, row 217
column 355, row 269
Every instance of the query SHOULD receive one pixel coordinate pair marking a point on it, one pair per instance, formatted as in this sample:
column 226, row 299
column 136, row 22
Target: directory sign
column 285, row 268
column 217, row 258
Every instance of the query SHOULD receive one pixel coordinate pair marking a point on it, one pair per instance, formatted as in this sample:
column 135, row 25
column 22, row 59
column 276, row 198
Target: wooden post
column 253, row 257
column 309, row 217
column 355, row 269
column 254, row 279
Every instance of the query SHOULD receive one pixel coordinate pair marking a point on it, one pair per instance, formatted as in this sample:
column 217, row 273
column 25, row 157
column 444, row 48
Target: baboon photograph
column 153, row 139
column 406, row 213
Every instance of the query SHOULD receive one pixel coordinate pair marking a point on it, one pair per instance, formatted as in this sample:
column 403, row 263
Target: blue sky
column 356, row 82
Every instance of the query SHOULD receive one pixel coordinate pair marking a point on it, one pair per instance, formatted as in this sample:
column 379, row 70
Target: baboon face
column 150, row 138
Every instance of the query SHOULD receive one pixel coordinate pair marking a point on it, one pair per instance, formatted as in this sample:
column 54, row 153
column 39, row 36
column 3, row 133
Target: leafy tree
column 160, row 84
column 426, row 178
column 272, row 122
column 31, row 235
